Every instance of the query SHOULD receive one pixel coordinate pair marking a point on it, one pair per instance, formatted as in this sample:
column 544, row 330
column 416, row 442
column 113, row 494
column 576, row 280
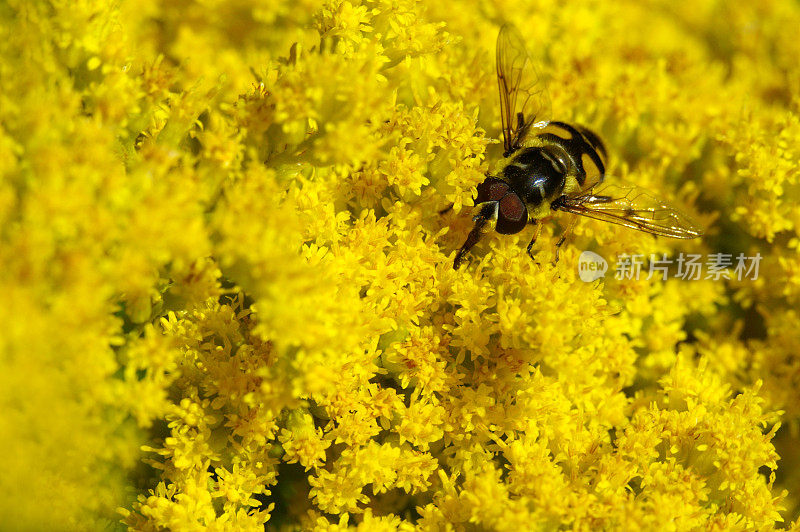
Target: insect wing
column 523, row 96
column 633, row 207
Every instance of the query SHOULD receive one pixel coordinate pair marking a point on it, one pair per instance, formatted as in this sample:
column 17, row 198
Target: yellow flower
column 227, row 233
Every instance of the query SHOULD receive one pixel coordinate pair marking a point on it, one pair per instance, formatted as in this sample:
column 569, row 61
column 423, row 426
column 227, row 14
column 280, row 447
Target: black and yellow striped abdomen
column 584, row 149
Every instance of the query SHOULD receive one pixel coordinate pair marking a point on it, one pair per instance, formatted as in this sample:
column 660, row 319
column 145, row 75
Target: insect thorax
column 537, row 174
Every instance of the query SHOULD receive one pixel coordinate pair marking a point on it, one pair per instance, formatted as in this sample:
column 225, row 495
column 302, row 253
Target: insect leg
column 535, row 236
column 564, row 235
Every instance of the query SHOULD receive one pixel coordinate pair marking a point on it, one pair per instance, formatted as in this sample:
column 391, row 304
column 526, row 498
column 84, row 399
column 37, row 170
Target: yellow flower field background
column 228, row 293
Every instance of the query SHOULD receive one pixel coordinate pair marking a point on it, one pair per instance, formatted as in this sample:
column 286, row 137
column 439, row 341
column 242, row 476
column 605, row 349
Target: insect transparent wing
column 631, row 206
column 524, row 99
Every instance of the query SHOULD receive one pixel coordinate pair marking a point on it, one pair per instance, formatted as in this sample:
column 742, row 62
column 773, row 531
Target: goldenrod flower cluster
column 229, row 294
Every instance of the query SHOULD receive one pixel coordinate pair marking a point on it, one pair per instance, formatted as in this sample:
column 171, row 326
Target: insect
column 554, row 166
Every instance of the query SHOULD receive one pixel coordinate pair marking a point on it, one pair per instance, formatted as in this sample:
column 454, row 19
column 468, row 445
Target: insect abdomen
column 584, row 148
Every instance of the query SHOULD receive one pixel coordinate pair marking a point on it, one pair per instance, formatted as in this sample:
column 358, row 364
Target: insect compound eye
column 511, row 207
column 497, row 191
column 492, row 189
column 513, row 216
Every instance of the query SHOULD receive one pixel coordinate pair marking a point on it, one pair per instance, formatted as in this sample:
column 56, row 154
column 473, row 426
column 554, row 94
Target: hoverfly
column 554, row 166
